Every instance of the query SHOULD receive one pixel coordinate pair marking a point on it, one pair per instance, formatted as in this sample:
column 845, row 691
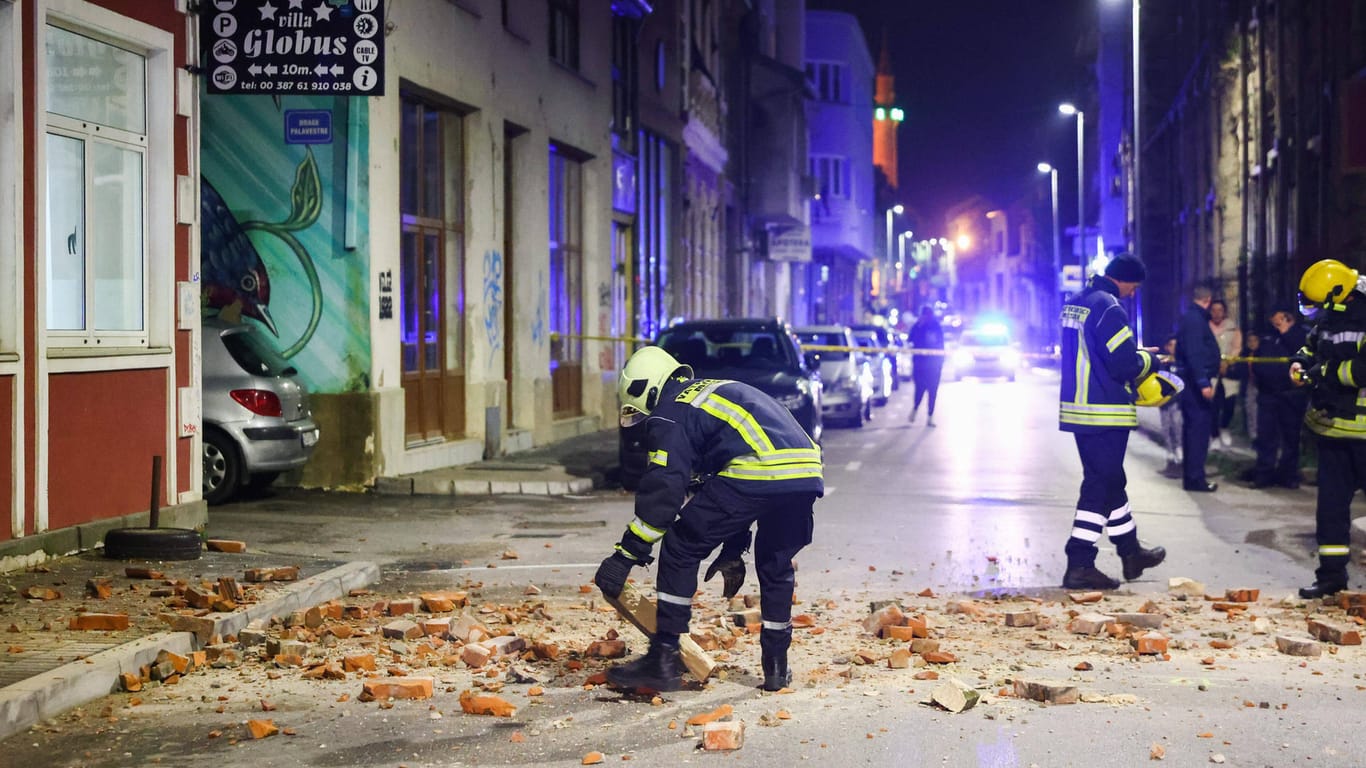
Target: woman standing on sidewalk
column 1226, row 390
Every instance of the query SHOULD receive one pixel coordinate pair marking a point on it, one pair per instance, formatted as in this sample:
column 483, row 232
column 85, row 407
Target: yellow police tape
column 893, row 350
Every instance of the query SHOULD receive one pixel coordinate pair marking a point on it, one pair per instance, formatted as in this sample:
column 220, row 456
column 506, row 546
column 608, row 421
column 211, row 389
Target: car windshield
column 825, row 340
column 255, row 354
column 713, row 348
column 979, row 339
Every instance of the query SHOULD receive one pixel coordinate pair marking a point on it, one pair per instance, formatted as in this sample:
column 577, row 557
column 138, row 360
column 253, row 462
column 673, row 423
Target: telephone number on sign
column 268, row 85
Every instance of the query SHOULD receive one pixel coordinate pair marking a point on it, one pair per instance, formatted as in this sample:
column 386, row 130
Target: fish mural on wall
column 235, row 279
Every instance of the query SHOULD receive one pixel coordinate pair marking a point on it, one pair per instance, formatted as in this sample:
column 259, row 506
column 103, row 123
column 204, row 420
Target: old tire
column 152, row 544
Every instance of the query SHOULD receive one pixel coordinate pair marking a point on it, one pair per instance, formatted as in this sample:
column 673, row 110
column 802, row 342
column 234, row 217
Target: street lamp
column 1057, row 235
column 895, row 210
column 1069, row 110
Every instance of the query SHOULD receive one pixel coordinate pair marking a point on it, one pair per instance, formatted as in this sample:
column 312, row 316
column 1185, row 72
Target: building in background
column 99, row 319
column 839, row 72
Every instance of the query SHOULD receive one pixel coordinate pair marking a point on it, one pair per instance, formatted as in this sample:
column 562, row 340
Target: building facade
column 98, row 254
column 839, row 72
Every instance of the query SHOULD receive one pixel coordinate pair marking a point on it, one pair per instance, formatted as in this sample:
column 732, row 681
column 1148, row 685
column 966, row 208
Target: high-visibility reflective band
column 1083, row 368
column 1335, row 549
column 776, row 473
column 1094, row 518
column 696, row 393
column 623, row 551
column 647, row 533
column 740, row 420
column 1123, row 335
column 1345, row 374
column 1085, row 534
column 786, row 464
column 1321, row 424
column 659, row 457
column 1345, row 337
column 1098, row 415
column 778, row 625
column 1147, row 364
column 665, row 597
column 1121, row 529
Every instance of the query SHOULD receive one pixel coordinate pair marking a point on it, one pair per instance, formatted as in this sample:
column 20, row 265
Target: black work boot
column 1322, row 589
column 776, row 674
column 1087, row 577
column 660, row 669
column 1330, row 577
column 1141, row 560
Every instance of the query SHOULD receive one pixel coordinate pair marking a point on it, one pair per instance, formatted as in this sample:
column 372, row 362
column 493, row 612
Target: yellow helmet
column 1326, row 284
column 1158, row 388
column 642, row 379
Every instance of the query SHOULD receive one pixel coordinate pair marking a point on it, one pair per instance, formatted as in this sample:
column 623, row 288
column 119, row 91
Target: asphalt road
column 978, row 506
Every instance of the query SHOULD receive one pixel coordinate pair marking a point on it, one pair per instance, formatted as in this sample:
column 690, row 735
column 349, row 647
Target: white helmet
column 642, row 379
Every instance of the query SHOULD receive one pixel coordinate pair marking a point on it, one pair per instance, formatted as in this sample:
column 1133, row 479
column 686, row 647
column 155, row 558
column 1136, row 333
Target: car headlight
column 962, row 358
column 1010, row 358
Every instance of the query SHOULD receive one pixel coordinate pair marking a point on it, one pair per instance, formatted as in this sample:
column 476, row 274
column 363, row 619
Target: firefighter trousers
column 1103, row 503
column 1342, row 471
column 716, row 514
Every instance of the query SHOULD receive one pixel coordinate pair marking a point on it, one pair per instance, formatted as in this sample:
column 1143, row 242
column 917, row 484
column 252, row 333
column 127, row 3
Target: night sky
column 980, row 81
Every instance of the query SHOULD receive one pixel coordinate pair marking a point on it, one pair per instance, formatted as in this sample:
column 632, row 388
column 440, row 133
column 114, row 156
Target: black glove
column 732, row 572
column 611, row 575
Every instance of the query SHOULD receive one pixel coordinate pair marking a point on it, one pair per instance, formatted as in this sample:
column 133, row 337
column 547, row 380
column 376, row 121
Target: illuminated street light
column 1057, row 233
column 963, row 242
column 895, row 210
column 1069, row 109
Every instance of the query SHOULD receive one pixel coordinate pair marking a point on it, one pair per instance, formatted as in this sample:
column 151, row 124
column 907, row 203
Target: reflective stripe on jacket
column 719, row 428
column 1100, row 362
column 1337, row 344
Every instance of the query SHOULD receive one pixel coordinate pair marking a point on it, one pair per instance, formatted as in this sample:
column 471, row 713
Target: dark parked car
column 257, row 422
column 761, row 352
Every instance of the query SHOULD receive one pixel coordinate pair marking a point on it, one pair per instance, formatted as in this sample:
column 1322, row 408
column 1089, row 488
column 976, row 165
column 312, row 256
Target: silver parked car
column 257, row 422
column 846, row 376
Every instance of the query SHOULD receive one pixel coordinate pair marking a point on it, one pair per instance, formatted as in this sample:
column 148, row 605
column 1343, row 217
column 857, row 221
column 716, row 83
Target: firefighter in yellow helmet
column 1333, row 365
column 756, row 464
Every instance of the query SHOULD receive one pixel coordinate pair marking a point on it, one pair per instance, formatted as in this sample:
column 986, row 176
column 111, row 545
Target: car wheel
column 222, row 467
column 860, row 416
column 152, row 544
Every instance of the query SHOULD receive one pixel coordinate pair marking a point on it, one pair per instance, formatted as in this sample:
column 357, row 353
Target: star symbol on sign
column 323, row 11
column 268, row 11
column 296, row 4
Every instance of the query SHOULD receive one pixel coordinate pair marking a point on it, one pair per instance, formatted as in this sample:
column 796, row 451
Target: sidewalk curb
column 31, row 701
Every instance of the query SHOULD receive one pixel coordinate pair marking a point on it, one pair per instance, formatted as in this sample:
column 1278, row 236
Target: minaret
column 886, row 117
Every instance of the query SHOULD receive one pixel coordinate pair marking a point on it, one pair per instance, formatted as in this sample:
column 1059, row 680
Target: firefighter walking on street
column 1101, row 364
column 755, row 464
column 1333, row 365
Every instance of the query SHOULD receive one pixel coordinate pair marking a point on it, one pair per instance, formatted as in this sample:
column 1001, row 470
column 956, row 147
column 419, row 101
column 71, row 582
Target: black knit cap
column 1126, row 268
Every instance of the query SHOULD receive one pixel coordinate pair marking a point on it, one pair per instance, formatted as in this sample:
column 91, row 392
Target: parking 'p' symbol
column 225, row 24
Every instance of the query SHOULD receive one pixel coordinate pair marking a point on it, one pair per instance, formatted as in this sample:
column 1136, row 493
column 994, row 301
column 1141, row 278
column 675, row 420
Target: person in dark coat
column 1197, row 355
column 927, row 334
column 1280, row 405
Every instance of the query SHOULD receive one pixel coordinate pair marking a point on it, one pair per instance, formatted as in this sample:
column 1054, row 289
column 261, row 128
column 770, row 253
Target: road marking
column 853, row 466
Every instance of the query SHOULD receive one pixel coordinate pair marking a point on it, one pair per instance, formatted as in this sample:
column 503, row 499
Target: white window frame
column 11, row 201
column 156, row 47
column 835, row 75
column 838, row 176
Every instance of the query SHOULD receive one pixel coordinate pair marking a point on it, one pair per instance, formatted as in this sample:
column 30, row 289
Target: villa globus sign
column 294, row 46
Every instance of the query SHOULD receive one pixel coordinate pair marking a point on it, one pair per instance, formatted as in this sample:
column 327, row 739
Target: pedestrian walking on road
column 1333, row 366
column 1101, row 363
column 927, row 334
column 1280, row 406
column 1197, row 355
column 756, row 464
column 1227, row 387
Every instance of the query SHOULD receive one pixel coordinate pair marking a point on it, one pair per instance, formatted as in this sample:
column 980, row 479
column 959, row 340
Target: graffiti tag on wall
column 538, row 325
column 493, row 299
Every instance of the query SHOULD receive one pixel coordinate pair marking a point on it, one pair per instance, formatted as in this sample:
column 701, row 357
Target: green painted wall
column 287, row 247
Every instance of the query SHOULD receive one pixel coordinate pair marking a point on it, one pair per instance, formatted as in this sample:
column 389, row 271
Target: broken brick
column 939, row 657
column 506, row 645
column 39, row 593
column 198, row 599
column 723, row 736
column 260, row 729
column 1294, row 646
column 359, row 662
column 898, row 633
column 404, row 606
column 886, row 616
column 1048, row 692
column 282, row 573
column 99, row 588
column 99, row 622
column 606, row 649
column 900, row 659
column 725, row 710
column 1021, row 618
column 402, row 629
column 139, row 572
column 474, row 704
column 920, row 626
column 1224, row 606
column 131, row 681
column 923, row 645
column 1089, row 624
column 746, row 617
column 1337, row 634
column 437, row 627
column 476, row 654
column 1087, row 597
column 396, row 688
column 1141, row 620
column 1242, row 595
column 225, row 545
column 1149, row 643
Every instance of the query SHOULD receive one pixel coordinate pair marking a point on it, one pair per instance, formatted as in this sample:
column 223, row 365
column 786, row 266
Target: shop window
column 566, row 282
